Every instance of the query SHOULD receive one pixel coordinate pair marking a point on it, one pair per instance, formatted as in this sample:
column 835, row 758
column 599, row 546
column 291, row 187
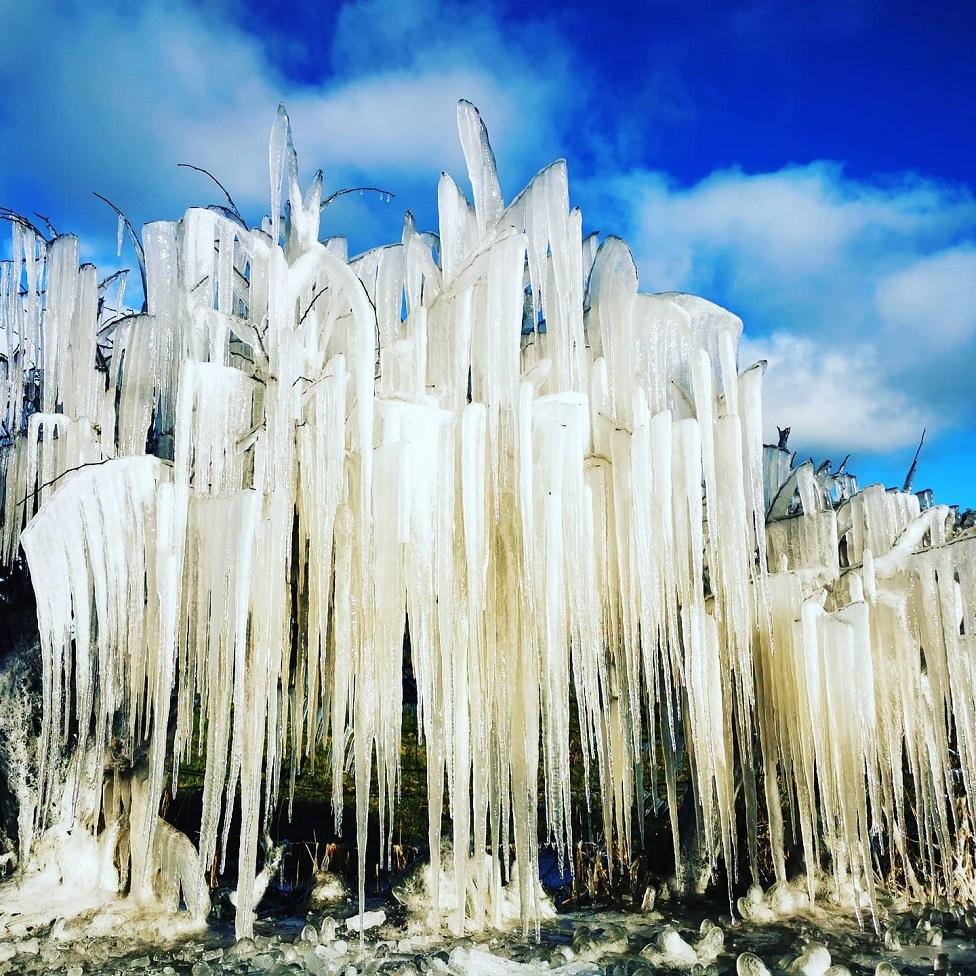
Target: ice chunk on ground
column 749, row 964
column 365, row 921
column 813, row 961
column 670, row 950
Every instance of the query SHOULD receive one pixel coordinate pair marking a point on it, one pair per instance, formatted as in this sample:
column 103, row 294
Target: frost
column 327, row 889
column 235, row 505
column 478, row 962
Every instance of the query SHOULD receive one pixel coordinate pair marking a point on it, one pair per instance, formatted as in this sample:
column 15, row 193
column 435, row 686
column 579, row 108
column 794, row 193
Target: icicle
column 480, row 161
column 558, row 481
column 280, row 153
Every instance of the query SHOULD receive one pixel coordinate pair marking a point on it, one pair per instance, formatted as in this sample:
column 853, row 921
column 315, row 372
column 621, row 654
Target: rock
column 891, row 940
column 244, row 949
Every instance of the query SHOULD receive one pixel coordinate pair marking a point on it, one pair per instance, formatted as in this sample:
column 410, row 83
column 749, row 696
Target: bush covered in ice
column 232, row 501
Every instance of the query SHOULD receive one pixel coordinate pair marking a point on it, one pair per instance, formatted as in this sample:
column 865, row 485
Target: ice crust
column 232, row 503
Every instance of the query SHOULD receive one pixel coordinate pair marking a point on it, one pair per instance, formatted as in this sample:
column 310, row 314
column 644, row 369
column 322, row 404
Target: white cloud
column 863, row 293
column 932, row 301
column 111, row 97
column 833, row 398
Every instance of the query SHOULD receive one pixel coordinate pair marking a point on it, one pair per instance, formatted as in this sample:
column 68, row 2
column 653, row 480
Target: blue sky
column 810, row 166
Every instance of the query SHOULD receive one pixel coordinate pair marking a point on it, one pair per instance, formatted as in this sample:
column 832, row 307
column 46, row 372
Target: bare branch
column 136, row 246
column 112, row 277
column 355, row 189
column 50, row 226
column 228, row 213
column 16, row 218
column 318, row 295
column 230, row 199
column 47, row 484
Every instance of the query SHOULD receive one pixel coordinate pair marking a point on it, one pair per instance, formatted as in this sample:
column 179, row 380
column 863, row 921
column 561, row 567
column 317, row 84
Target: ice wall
column 232, row 503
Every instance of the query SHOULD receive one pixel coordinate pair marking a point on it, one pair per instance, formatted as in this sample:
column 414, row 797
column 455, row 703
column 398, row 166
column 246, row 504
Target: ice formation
column 327, row 889
column 233, row 504
column 500, row 905
column 673, row 952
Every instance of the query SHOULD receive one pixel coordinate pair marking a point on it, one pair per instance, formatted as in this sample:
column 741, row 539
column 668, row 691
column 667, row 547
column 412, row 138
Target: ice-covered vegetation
column 233, row 503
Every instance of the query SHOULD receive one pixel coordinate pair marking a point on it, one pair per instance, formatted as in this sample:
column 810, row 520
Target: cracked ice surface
column 232, row 502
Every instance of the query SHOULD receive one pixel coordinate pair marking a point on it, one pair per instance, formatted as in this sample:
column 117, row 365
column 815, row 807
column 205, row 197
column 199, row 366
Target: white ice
column 487, row 436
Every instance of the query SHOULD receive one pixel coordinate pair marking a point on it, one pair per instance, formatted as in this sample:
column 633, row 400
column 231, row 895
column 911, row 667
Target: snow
column 558, row 481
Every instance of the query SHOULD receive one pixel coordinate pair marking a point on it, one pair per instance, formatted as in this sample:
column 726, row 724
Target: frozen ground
column 677, row 939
